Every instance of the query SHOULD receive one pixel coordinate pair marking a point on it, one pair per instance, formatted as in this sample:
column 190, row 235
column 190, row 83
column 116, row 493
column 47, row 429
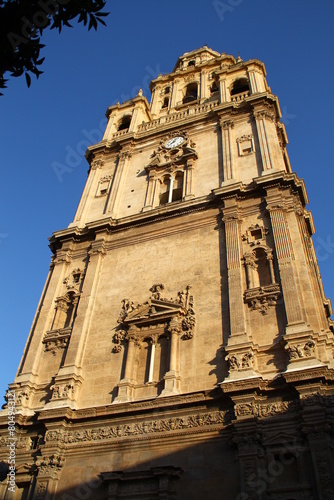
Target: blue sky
column 85, row 72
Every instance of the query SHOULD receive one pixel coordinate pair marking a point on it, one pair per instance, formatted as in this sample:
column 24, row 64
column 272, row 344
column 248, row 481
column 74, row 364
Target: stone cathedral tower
column 183, row 343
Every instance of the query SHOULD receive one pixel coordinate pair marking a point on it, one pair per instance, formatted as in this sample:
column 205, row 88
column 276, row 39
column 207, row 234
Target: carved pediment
column 156, row 316
column 164, row 157
column 153, row 311
column 278, row 439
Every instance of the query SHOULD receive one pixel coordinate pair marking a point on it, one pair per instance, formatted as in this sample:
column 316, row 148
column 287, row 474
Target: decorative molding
column 255, row 235
column 164, row 158
column 304, row 350
column 155, row 317
column 98, row 163
column 263, row 297
column 41, row 490
column 240, row 361
column 56, row 340
column 50, row 466
column 138, row 429
column 246, row 145
column 74, row 279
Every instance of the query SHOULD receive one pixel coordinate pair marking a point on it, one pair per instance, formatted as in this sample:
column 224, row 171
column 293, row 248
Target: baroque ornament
column 156, row 317
column 139, row 428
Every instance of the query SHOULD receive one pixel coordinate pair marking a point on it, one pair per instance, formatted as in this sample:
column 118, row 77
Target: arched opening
column 262, row 267
column 164, row 191
column 171, row 189
column 177, row 188
column 190, row 93
column 124, row 123
column 191, row 63
column 239, row 86
column 167, row 90
column 214, row 88
column 165, row 103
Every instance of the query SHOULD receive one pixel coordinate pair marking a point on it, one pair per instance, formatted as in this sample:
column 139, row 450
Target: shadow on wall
column 279, row 451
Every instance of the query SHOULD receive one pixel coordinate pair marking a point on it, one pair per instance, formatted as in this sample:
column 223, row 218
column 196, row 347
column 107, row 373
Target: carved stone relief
column 143, row 428
column 141, row 318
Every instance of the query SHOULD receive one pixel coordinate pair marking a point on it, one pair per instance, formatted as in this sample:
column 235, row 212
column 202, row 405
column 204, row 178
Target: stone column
column 226, row 126
column 254, row 87
column 29, row 368
column 108, row 132
column 126, row 385
column 49, row 471
column 188, row 180
column 172, row 378
column 89, row 191
column 284, row 259
column 174, row 93
column 69, row 377
column 234, row 271
column 155, row 100
column 260, row 119
column 118, row 182
column 150, row 194
column 223, row 90
column 299, row 337
column 203, row 85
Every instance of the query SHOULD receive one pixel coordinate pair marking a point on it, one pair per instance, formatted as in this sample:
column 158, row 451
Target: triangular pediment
column 278, row 438
column 153, row 311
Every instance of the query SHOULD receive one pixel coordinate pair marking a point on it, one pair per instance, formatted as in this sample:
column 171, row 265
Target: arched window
column 64, row 311
column 167, row 90
column 191, row 63
column 171, row 189
column 124, row 123
column 240, row 86
column 214, row 88
column 164, row 191
column 165, row 103
column 190, row 93
column 262, row 268
column 177, row 187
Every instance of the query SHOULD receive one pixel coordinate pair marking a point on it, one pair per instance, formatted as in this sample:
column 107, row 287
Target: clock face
column 173, row 143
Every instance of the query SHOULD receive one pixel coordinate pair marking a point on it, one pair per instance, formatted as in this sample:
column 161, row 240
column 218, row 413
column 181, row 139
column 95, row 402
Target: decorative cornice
column 136, row 430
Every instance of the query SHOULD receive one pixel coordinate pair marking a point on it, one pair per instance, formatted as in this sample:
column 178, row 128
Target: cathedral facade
column 183, row 344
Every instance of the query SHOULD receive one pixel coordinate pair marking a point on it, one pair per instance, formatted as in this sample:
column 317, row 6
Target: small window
column 167, row 90
column 240, row 86
column 256, row 234
column 171, row 189
column 177, row 188
column 191, row 93
column 191, row 63
column 76, row 277
column 164, row 191
column 165, row 103
column 103, row 188
column 124, row 124
column 214, row 88
column 245, row 145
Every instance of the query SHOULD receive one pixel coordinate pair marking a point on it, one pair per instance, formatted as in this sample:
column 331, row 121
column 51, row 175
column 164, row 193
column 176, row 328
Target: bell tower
column 183, row 342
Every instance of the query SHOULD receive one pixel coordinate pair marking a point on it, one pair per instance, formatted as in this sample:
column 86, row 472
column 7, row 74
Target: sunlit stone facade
column 183, row 344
